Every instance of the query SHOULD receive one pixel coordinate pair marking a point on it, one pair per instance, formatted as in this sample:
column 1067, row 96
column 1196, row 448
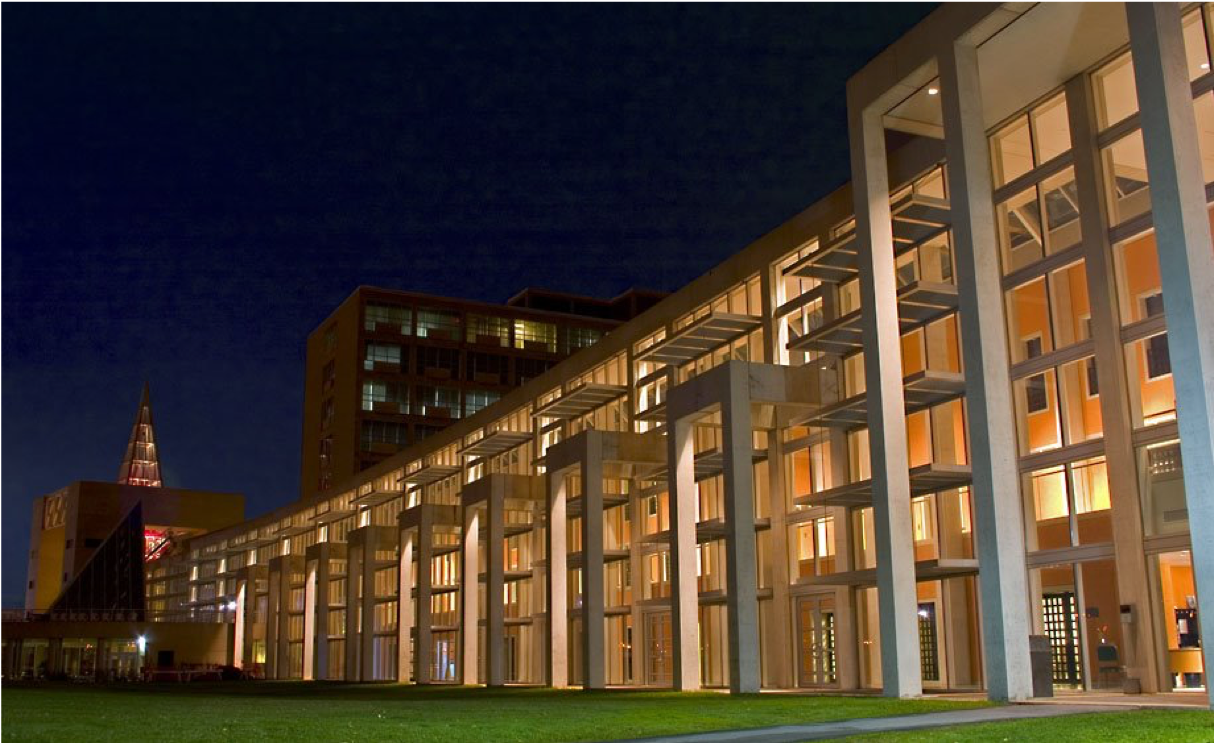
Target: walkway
column 843, row 728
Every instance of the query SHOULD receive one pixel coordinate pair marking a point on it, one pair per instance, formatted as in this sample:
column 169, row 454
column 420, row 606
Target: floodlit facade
column 389, row 368
column 963, row 401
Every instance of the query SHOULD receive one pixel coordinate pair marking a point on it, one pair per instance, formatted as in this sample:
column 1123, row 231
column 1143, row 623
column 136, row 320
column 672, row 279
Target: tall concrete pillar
column 354, row 587
column 1121, row 472
column 778, row 627
column 741, row 563
column 311, row 584
column 275, row 605
column 1186, row 265
column 423, row 638
column 992, row 425
column 900, row 665
column 238, row 639
column 366, row 636
column 684, row 586
column 495, row 582
column 847, row 656
column 594, row 667
column 407, row 611
column 558, row 580
column 470, row 597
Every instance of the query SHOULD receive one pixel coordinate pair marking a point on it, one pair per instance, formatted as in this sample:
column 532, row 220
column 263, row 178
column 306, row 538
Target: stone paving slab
column 869, row 725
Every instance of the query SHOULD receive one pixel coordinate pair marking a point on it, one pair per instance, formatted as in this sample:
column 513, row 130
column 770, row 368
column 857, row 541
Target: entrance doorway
column 816, row 644
column 659, row 647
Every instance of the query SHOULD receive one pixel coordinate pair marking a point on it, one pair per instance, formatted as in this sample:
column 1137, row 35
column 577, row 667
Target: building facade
column 965, row 400
column 389, row 368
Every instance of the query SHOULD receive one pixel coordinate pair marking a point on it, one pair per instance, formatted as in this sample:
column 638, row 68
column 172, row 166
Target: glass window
column 1061, row 198
column 1013, row 151
column 477, row 400
column 1020, row 238
column 488, row 331
column 442, row 402
column 381, row 353
column 388, row 317
column 1082, row 416
column 1045, row 314
column 1161, row 483
column 1137, row 277
column 1031, row 140
column 439, row 324
column 1126, row 186
column 1197, row 56
column 1149, row 366
column 1051, row 129
column 1029, row 320
column 1179, row 605
column 1203, row 111
column 535, row 336
column 580, row 338
column 1116, row 97
column 1039, row 425
column 385, row 396
column 1069, row 505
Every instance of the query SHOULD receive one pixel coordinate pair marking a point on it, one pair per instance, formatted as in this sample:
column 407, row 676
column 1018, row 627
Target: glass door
column 816, row 641
column 658, row 649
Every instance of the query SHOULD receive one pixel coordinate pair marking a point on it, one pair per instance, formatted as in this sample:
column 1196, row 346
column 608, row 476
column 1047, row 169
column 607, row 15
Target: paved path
column 860, row 726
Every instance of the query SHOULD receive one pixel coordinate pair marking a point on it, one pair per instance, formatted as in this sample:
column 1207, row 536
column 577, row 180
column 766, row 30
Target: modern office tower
column 963, row 401
column 389, row 368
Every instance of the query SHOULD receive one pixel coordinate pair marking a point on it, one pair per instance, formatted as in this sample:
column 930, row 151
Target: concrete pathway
column 869, row 725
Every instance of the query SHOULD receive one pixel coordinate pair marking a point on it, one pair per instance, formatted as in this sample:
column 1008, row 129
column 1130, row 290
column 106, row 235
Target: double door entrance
column 815, row 616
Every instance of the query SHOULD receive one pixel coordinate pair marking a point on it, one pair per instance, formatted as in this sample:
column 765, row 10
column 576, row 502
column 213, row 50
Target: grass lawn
column 1190, row 726
column 293, row 711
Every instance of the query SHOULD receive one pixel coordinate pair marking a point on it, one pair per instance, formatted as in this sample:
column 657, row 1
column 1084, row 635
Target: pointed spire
column 141, row 464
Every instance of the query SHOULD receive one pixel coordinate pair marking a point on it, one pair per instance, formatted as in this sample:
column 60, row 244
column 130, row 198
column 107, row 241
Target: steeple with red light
column 141, row 464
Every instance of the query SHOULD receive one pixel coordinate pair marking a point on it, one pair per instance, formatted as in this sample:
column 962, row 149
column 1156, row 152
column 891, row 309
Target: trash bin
column 1042, row 665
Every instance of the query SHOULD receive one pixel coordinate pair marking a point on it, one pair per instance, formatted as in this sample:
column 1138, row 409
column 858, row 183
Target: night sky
column 189, row 190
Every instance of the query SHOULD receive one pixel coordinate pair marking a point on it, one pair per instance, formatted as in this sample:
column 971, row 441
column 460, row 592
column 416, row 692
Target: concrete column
column 354, row 566
column 323, row 581
column 741, row 563
column 366, row 637
column 495, row 582
column 311, row 582
column 779, row 618
column 407, row 613
column 1120, row 466
column 992, row 425
column 594, row 667
column 636, row 504
column 273, row 609
column 238, row 640
column 470, row 596
column 847, row 656
column 423, row 639
column 283, row 651
column 558, row 579
column 900, row 664
column 684, row 588
column 1186, row 266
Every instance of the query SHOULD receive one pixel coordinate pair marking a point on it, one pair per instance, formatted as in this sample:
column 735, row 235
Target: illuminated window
column 387, row 317
column 535, row 336
column 488, row 331
column 439, row 324
column 381, row 353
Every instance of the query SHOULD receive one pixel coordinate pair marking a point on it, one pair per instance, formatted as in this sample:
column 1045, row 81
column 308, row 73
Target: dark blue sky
column 189, row 190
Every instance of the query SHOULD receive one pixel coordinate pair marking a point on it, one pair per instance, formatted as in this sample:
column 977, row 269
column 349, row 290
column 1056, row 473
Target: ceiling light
column 933, row 91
